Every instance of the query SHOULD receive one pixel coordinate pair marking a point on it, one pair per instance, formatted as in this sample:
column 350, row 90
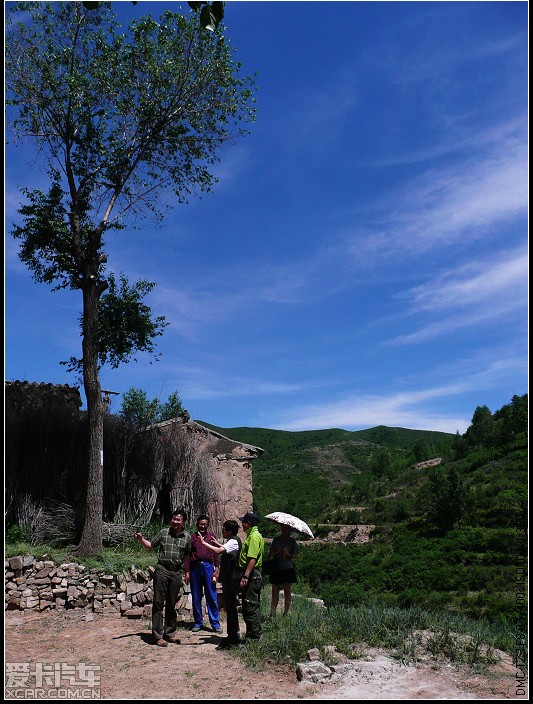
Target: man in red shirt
column 204, row 567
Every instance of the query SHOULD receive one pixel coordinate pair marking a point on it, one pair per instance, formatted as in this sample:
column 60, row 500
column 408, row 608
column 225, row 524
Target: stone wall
column 428, row 463
column 40, row 585
column 348, row 533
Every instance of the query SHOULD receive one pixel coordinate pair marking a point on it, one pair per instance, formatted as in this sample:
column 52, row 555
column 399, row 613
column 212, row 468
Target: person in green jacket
column 250, row 561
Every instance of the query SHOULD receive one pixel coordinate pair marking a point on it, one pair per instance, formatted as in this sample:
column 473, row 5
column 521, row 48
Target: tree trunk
column 91, row 537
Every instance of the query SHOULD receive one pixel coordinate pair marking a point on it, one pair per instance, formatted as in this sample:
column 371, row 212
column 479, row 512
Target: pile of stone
column 315, row 670
column 42, row 584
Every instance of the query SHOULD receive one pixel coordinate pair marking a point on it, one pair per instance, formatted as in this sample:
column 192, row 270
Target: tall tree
column 482, row 430
column 513, row 419
column 448, row 498
column 117, row 113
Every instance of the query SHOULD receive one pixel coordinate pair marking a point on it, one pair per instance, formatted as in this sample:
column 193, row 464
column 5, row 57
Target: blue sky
column 363, row 257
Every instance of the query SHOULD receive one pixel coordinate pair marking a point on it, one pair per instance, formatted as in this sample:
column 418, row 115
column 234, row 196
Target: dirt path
column 132, row 668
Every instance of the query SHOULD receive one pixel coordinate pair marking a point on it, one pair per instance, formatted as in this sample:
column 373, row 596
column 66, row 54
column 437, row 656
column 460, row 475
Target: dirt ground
column 131, row 667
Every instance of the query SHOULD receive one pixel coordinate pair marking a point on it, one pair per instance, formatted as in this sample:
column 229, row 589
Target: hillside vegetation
column 449, row 536
column 319, row 474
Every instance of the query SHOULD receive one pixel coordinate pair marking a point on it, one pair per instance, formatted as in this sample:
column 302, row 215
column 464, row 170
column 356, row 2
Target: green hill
column 316, row 473
column 281, row 441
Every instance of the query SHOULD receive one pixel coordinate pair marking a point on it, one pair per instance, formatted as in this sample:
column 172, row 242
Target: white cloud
column 444, row 207
column 464, row 136
column 474, row 283
column 207, row 382
column 437, row 62
column 417, row 408
column 190, row 310
column 405, row 410
column 199, row 304
column 438, row 210
column 476, row 294
column 234, row 162
column 312, row 122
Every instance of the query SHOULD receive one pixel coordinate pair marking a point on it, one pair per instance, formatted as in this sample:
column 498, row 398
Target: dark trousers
column 251, row 605
column 230, row 593
column 167, row 586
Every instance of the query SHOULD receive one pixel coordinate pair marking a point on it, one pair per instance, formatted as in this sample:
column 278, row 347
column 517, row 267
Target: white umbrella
column 285, row 519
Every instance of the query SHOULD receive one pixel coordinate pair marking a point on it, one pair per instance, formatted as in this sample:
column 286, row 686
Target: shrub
column 344, row 594
column 16, row 534
column 412, row 597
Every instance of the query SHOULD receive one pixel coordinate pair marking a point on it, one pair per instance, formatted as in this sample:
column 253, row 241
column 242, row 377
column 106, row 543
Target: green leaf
column 208, row 19
column 218, row 10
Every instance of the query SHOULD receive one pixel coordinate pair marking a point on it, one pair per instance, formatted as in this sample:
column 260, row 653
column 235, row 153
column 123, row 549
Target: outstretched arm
column 147, row 545
column 218, row 549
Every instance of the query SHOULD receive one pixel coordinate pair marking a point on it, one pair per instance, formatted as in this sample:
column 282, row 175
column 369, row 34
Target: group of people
column 198, row 559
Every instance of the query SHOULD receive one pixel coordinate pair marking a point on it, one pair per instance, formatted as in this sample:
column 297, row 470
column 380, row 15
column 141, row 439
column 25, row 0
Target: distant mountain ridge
column 403, row 438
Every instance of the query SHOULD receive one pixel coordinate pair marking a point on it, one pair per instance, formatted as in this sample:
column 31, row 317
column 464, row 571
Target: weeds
column 112, row 559
column 410, row 634
column 409, row 651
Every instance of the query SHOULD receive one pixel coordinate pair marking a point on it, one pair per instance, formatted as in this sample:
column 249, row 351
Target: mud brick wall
column 230, row 464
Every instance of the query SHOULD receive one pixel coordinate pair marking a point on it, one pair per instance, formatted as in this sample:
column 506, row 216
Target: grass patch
column 406, row 632
column 111, row 559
